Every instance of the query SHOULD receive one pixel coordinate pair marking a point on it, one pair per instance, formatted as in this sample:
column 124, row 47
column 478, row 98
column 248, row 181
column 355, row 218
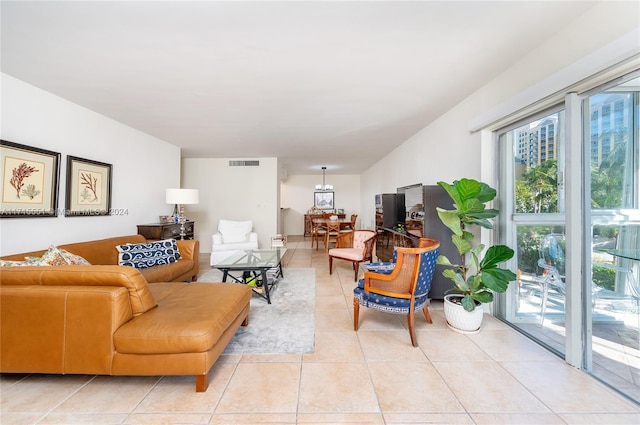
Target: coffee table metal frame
column 255, row 260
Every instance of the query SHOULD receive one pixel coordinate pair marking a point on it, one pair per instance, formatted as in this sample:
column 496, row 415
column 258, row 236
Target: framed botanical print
column 29, row 181
column 88, row 187
column 323, row 200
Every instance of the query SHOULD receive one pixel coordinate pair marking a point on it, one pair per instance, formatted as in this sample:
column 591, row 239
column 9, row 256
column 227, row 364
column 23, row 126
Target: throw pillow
column 53, row 257
column 73, row 259
column 29, row 261
column 149, row 254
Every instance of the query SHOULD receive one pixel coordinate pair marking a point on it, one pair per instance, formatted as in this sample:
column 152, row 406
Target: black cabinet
column 435, row 196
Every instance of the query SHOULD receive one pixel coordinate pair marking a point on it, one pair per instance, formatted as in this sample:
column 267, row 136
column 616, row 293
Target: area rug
column 287, row 325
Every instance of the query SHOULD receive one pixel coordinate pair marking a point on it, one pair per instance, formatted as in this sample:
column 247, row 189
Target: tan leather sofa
column 104, row 252
column 107, row 319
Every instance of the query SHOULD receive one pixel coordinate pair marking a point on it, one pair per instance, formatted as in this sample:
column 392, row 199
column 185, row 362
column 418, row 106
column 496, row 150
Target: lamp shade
column 182, row 196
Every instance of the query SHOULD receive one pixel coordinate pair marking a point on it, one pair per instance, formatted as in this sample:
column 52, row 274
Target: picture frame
column 324, row 200
column 88, row 187
column 30, row 178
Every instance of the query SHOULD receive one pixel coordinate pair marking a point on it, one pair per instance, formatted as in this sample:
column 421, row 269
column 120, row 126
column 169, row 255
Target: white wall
column 448, row 150
column 232, row 193
column 297, row 197
column 143, row 167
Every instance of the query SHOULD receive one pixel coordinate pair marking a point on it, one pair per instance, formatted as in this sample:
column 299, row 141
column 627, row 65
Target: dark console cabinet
column 435, row 196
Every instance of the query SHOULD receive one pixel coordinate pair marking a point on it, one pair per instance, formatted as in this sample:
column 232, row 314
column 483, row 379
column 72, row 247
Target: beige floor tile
column 330, row 302
column 262, row 387
column 438, row 321
column 507, row 345
column 168, row 418
column 341, row 418
column 335, row 347
column 411, row 387
column 485, row 387
column 19, row 418
column 109, row 394
column 177, row 393
column 565, row 389
column 41, row 393
column 336, row 387
column 82, row 418
column 7, row 380
column 253, row 418
column 446, row 345
column 272, row 358
column 333, row 321
column 517, row 418
column 389, row 346
column 428, row 418
column 601, row 418
column 375, row 320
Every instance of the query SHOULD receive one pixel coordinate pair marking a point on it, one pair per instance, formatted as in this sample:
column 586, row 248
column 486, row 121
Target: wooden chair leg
column 356, row 313
column 427, row 315
column 330, row 264
column 412, row 329
column 356, row 268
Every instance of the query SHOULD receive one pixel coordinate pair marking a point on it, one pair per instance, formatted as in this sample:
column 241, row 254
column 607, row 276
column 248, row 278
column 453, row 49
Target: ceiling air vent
column 250, row 163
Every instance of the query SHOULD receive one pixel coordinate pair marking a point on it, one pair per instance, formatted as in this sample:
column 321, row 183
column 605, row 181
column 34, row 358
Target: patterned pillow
column 53, row 257
column 29, row 261
column 73, row 259
column 149, row 254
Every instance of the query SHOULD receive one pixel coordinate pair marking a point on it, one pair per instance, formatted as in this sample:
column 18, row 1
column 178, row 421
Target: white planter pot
column 461, row 320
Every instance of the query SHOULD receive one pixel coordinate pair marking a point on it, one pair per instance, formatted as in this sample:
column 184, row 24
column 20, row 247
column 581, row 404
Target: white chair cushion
column 234, row 231
column 346, row 253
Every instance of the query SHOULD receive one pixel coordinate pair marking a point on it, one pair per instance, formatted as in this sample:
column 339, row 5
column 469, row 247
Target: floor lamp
column 180, row 198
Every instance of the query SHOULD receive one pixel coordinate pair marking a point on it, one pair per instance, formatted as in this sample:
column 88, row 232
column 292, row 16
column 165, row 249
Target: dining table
column 344, row 222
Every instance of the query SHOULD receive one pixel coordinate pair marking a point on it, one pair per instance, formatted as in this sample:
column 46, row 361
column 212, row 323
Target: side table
column 159, row 231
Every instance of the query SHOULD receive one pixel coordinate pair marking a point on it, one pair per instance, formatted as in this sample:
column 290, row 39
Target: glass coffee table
column 261, row 267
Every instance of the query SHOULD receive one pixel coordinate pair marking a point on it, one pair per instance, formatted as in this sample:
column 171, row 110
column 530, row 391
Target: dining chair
column 355, row 247
column 403, row 291
column 318, row 231
column 333, row 231
column 350, row 227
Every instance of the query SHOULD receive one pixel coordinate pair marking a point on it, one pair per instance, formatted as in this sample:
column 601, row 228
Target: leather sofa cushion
column 190, row 318
column 166, row 272
column 139, row 294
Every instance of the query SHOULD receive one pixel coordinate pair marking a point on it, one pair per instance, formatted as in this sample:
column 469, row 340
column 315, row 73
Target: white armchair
column 232, row 236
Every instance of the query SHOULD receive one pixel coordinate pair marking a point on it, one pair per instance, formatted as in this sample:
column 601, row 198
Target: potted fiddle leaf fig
column 476, row 277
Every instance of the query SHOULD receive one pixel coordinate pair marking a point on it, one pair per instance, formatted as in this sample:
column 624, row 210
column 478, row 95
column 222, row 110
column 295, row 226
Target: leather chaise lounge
column 107, row 319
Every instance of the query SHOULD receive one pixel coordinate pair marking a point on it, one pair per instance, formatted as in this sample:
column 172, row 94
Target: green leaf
column 487, row 193
column 463, row 245
column 483, row 297
column 457, row 279
column 494, row 280
column 495, row 255
column 443, row 261
column 467, row 188
column 452, row 191
column 450, row 219
column 468, row 303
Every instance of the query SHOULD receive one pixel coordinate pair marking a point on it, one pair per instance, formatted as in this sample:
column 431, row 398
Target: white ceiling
column 336, row 84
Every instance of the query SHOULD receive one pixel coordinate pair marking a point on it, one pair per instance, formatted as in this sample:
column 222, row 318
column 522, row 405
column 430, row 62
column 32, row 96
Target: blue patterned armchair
column 403, row 291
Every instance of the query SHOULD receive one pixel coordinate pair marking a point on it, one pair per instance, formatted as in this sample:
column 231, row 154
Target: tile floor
column 373, row 376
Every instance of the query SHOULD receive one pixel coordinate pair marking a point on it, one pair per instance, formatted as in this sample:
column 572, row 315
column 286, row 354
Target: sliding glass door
column 570, row 181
